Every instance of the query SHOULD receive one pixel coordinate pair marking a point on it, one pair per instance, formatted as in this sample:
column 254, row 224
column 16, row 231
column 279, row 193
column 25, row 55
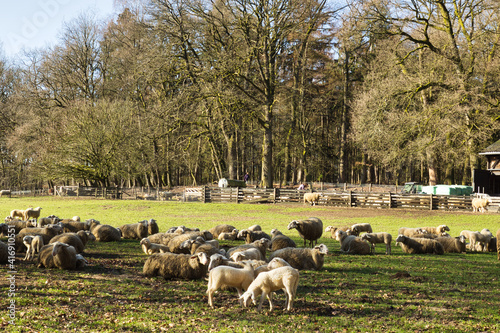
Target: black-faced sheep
column 57, row 255
column 32, row 213
column 312, row 198
column 280, row 241
column 452, row 244
column 310, row 229
column 104, row 232
column 378, row 238
column 226, row 276
column 286, row 278
column 358, row 228
column 218, row 229
column 350, row 244
column 137, row 230
column 33, row 245
column 303, row 258
column 419, row 245
column 176, row 266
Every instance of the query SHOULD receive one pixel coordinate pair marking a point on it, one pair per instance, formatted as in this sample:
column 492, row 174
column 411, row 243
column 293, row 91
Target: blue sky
column 38, row 23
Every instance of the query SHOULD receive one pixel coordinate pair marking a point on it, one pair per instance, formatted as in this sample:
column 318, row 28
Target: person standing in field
column 246, row 177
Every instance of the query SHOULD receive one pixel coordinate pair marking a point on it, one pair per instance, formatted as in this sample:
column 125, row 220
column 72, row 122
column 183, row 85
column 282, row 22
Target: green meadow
column 374, row 293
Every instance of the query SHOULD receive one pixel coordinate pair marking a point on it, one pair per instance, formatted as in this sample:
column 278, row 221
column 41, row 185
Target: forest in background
column 186, row 92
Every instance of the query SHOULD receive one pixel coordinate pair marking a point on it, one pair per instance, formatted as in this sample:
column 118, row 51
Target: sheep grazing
column 150, row 248
column 303, row 258
column 177, row 266
column 419, row 245
column 251, row 236
column 218, row 229
column 134, row 231
column 332, row 230
column 33, row 245
column 32, row 213
column 312, row 198
column 280, row 241
column 286, row 278
column 17, row 214
column 310, row 229
column 480, row 204
column 356, row 229
column 439, row 230
column 350, row 244
column 498, row 244
column 452, row 244
column 231, row 236
column 57, row 255
column 378, row 238
column 239, row 278
column 483, row 238
column 104, row 232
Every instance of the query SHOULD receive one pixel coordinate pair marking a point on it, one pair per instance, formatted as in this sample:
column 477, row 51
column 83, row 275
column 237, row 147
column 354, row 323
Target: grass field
column 375, row 293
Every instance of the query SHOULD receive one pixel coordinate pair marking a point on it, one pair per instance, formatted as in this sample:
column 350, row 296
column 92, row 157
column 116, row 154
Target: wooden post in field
column 430, row 205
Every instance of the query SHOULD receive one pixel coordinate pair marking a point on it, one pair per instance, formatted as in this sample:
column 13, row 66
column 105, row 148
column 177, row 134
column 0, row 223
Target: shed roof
column 493, row 149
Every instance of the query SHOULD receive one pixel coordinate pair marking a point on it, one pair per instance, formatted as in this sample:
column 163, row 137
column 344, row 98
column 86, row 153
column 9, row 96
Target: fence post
column 350, row 198
column 430, row 205
column 390, row 200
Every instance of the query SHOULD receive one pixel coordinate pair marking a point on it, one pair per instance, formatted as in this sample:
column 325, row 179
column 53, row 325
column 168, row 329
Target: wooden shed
column 488, row 181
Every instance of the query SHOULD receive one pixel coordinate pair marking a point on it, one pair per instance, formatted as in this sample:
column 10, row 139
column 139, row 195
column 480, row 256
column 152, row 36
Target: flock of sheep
column 263, row 264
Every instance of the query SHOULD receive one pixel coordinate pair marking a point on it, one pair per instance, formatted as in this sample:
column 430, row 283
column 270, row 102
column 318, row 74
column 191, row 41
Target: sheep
column 152, row 227
column 452, row 244
column 350, row 244
column 69, row 225
column 150, row 248
column 69, row 238
column 251, row 236
column 57, row 255
column 85, row 236
column 218, row 259
column 280, row 241
column 409, row 232
column 303, row 258
column 248, row 254
column 425, row 235
column 4, row 253
column 313, row 198
column 483, row 237
column 480, row 204
column 176, row 266
column 378, row 238
column 277, row 262
column 162, row 239
column 228, row 235
column 176, row 244
column 286, row 278
column 198, row 244
column 261, row 244
column 32, row 213
column 419, row 245
column 134, row 231
column 104, row 232
column 358, row 228
column 33, row 244
column 255, row 227
column 17, row 225
column 439, row 230
column 239, row 278
column 333, row 229
column 47, row 234
column 17, row 213
column 215, row 231
column 310, row 229
column 43, row 221
column 498, row 244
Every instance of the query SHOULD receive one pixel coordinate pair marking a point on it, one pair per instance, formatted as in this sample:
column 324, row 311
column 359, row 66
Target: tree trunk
column 267, row 149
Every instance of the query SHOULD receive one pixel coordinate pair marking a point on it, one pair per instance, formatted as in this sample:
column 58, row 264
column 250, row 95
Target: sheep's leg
column 270, row 298
column 262, row 297
column 388, row 248
column 210, row 298
column 27, row 256
column 240, row 292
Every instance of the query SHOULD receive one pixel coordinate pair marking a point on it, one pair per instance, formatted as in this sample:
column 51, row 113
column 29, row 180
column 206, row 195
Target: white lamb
column 34, row 244
column 150, row 248
column 248, row 254
column 239, row 278
column 378, row 238
column 286, row 278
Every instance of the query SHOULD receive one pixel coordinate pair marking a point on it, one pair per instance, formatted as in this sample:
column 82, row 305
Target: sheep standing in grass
column 480, row 204
column 176, row 266
column 310, row 229
column 480, row 238
column 378, row 238
column 150, row 248
column 303, row 258
column 350, row 244
column 419, row 245
column 137, row 230
column 280, row 241
column 452, row 244
column 312, row 198
column 286, row 278
column 33, row 245
column 57, row 255
column 358, row 228
column 239, row 278
column 32, row 213
column 17, row 214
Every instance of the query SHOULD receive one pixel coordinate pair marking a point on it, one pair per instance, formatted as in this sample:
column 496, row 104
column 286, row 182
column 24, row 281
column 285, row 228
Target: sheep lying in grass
column 43, row 221
column 104, row 232
column 239, row 278
column 358, row 228
column 231, row 236
column 69, row 225
column 303, row 258
column 33, row 245
column 286, row 278
column 162, row 238
column 312, row 198
column 332, row 230
column 17, row 225
column 248, row 254
column 261, row 244
column 452, row 244
column 176, row 266
column 152, row 227
column 280, row 241
column 350, row 244
column 70, row 238
column 218, row 229
column 150, row 248
column 57, row 255
column 483, row 238
column 251, row 236
column 47, row 234
column 439, row 230
column 255, row 227
column 419, row 245
column 378, row 238
column 310, row 229
column 137, row 230
column 410, row 232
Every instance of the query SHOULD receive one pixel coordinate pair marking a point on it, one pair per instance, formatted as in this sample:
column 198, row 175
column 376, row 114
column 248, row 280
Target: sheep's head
column 442, row 228
column 275, row 232
column 322, row 248
column 264, row 242
column 76, row 218
column 400, row 238
column 58, row 247
column 276, row 263
column 461, row 238
column 146, row 242
column 242, row 234
column 339, row 235
column 215, row 260
column 202, row 258
column 329, row 228
column 27, row 240
column 293, row 225
column 247, row 296
column 187, row 244
column 365, row 237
